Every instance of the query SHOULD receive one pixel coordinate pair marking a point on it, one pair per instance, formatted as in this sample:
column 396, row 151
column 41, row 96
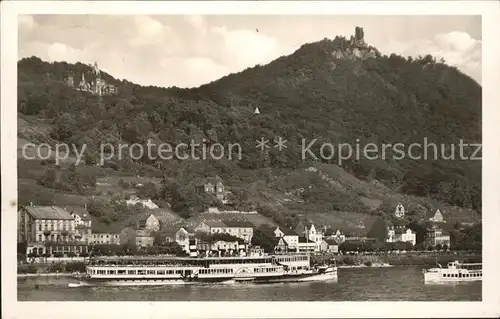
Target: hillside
column 322, row 91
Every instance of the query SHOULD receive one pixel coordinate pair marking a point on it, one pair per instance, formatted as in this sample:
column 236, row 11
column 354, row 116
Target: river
column 354, row 284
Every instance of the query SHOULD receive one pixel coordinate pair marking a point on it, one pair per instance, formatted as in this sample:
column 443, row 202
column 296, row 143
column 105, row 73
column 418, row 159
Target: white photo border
column 490, row 304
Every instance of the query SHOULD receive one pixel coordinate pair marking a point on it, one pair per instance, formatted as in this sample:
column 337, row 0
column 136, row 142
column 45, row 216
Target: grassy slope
column 272, row 194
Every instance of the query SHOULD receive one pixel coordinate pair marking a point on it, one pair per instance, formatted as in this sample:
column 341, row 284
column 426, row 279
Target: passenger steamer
column 456, row 272
column 134, row 271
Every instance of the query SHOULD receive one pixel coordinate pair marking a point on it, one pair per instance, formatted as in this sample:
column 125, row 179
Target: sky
column 188, row 51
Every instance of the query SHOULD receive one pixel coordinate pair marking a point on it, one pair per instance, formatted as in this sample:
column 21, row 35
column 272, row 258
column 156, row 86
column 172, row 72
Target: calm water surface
column 354, row 284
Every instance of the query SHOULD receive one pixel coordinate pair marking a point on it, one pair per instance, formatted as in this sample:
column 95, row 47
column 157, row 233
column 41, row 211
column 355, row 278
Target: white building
column 338, row 237
column 106, row 239
column 400, row 211
column 240, row 229
column 404, row 235
column 290, row 237
column 83, row 223
column 148, row 203
column 438, row 217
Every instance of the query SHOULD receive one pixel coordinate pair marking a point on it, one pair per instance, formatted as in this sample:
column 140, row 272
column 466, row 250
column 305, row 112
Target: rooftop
column 78, row 210
column 287, row 231
column 214, row 223
column 48, row 212
column 238, row 224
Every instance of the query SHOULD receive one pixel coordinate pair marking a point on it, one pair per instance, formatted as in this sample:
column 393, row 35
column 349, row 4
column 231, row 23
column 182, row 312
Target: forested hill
column 314, row 93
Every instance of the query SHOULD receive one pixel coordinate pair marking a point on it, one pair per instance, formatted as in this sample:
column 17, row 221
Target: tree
column 148, row 190
column 263, row 237
column 420, row 231
column 378, row 230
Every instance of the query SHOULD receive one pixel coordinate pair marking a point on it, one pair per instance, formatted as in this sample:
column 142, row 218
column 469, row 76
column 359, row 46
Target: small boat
column 157, row 270
column 455, row 272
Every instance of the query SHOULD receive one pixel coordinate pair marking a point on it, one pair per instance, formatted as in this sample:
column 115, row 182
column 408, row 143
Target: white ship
column 455, row 272
column 154, row 270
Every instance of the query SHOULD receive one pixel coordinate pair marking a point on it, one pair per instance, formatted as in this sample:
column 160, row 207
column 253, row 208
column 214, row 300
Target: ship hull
column 316, row 276
column 437, row 278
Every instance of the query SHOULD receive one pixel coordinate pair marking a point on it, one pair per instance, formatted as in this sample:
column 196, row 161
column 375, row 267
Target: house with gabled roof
column 214, row 186
column 437, row 217
column 282, row 246
column 149, row 222
column 180, row 234
column 289, row 235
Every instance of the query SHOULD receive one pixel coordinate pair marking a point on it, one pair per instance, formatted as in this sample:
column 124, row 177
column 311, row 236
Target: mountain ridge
column 312, row 93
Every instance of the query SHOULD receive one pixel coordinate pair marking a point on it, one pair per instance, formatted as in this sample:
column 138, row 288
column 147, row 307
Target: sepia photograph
column 169, row 156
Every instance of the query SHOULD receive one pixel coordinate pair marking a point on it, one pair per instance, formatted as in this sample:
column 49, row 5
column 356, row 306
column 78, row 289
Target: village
column 53, row 232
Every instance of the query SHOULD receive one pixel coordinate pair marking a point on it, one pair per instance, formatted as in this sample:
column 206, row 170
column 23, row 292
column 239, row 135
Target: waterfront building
column 106, row 238
column 48, row 230
column 313, row 235
column 282, row 246
column 305, row 245
column 144, row 238
column 290, row 237
column 240, row 229
column 436, row 236
column 338, row 237
column 255, row 251
column 401, row 234
column 329, row 245
column 83, row 222
column 177, row 234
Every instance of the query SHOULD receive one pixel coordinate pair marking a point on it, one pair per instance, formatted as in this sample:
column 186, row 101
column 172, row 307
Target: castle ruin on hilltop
column 356, row 47
column 96, row 86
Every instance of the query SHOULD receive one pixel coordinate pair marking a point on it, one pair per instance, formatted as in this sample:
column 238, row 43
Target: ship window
column 160, row 272
column 131, row 272
column 141, row 272
column 121, row 271
column 111, row 272
column 151, row 272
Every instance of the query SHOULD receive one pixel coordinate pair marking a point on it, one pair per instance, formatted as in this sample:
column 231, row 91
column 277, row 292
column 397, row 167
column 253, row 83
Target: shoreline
column 49, row 274
column 365, row 266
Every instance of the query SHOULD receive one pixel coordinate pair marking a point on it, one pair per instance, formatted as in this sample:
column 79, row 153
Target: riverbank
column 375, row 265
column 53, row 274
column 360, row 260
